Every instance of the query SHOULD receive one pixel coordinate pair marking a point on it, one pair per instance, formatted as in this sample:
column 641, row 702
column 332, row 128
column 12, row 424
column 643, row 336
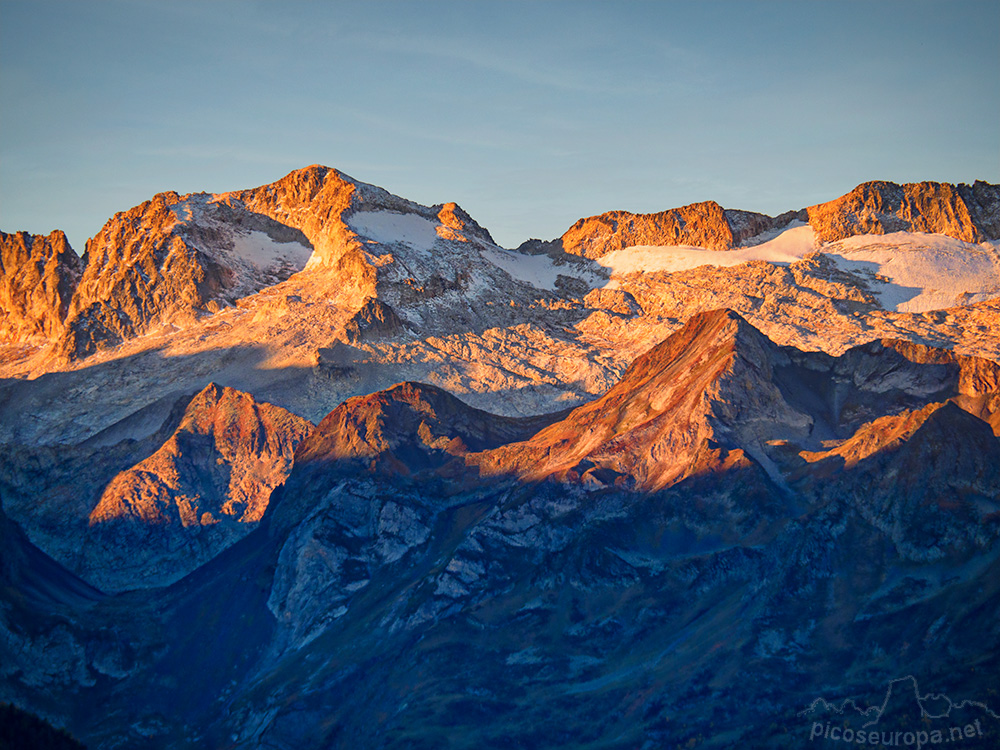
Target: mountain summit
column 667, row 417
column 311, row 465
column 965, row 212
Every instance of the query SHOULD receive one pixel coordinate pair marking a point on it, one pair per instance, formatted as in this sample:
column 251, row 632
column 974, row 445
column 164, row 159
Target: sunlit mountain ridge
column 312, row 465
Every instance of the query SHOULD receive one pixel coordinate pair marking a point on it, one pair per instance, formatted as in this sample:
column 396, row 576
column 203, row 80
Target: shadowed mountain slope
column 398, row 594
column 204, row 488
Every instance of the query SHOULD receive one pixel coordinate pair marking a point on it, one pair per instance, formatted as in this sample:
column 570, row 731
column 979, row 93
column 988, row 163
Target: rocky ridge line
column 38, row 276
column 704, row 224
column 206, row 487
column 967, row 212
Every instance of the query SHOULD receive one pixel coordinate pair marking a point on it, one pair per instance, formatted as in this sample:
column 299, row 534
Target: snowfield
column 907, row 271
column 259, row 250
column 792, row 243
column 388, row 227
column 256, row 259
column 540, row 270
column 914, row 272
column 259, row 261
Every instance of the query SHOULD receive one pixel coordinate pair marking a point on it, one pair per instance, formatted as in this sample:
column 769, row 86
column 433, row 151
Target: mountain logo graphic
column 931, row 718
column 900, row 691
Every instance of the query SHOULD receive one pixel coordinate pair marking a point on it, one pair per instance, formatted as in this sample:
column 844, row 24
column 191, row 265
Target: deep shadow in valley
column 544, row 614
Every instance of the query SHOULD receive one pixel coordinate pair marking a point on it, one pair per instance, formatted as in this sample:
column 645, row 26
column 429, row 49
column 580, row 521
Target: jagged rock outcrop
column 704, row 224
column 982, row 199
column 317, row 201
column 457, row 224
column 169, row 259
column 38, row 276
column 373, row 320
column 963, row 212
column 207, row 486
column 321, row 201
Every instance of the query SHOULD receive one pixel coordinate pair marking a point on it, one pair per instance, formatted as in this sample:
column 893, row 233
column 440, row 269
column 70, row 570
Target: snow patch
column 916, row 272
column 258, row 261
column 789, row 245
column 259, row 250
column 538, row 270
column 387, row 227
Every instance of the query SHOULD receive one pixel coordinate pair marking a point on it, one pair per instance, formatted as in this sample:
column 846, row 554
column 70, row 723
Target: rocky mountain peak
column 409, row 430
column 713, row 331
column 38, row 276
column 456, row 224
column 707, row 225
column 370, row 243
column 171, row 259
column 963, row 212
column 203, row 489
column 701, row 224
column 405, row 429
column 314, row 200
column 661, row 421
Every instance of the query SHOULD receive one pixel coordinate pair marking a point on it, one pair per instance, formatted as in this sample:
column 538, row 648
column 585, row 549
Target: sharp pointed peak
column 711, row 327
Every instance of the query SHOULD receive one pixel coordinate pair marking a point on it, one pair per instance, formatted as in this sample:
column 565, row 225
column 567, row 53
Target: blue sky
column 529, row 115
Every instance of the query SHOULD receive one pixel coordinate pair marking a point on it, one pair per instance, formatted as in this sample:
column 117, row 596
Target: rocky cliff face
column 170, row 259
column 204, row 488
column 317, row 200
column 38, row 276
column 963, row 212
column 982, row 200
column 373, row 242
column 705, row 225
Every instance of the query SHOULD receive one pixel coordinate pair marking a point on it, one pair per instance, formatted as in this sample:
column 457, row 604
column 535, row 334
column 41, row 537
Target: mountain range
column 311, row 465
